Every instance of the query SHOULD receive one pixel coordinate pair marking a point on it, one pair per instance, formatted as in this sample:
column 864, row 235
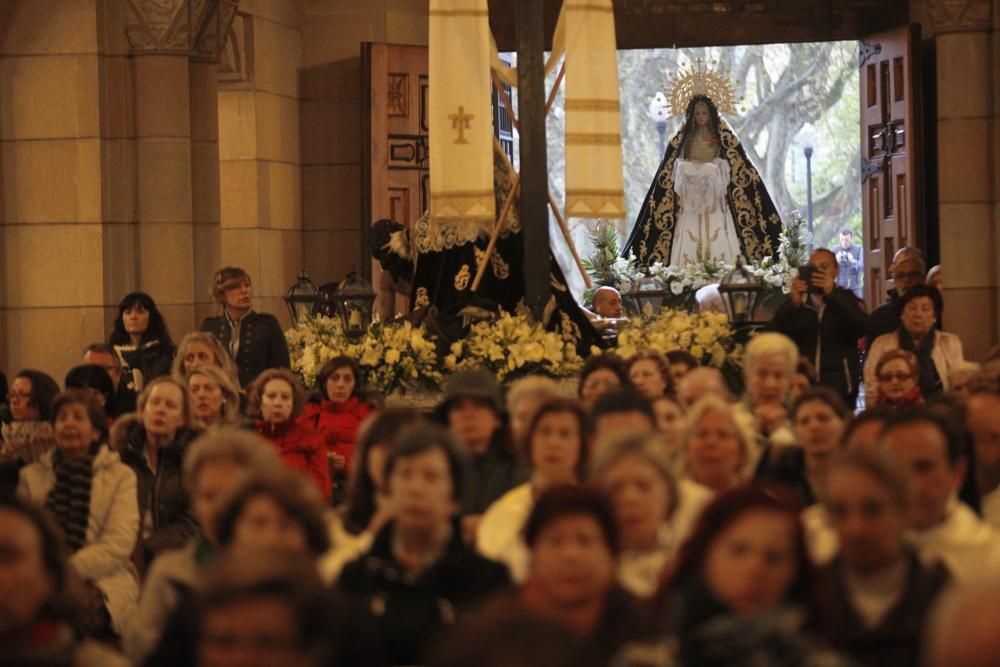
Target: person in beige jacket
column 101, row 542
column 939, row 352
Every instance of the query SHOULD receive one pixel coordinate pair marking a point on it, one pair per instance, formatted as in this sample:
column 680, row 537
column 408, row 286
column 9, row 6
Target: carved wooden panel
column 398, row 102
column 890, row 161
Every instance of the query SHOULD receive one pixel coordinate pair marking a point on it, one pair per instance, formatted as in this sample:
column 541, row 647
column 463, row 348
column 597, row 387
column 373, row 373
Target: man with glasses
column 907, row 270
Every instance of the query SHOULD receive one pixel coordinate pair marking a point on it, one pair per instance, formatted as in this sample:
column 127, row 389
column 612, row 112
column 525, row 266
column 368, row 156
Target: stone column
column 967, row 189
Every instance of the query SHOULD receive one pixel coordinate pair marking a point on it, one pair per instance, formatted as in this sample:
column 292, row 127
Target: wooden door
column 890, row 152
column 396, row 177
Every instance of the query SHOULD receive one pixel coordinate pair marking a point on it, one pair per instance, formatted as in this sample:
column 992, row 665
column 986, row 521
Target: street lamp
column 302, row 298
column 807, row 137
column 659, row 111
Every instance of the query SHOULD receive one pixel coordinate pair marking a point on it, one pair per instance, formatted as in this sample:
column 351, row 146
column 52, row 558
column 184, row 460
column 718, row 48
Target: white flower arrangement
column 394, row 357
column 512, row 346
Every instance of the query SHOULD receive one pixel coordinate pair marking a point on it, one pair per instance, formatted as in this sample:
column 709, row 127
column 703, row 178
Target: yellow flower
column 392, row 356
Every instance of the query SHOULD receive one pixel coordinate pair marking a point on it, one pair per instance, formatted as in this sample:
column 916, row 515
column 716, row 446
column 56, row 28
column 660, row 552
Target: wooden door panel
column 890, row 157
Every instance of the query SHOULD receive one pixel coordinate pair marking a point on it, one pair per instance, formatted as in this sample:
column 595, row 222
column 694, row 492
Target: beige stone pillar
column 967, row 187
column 205, row 198
column 53, row 129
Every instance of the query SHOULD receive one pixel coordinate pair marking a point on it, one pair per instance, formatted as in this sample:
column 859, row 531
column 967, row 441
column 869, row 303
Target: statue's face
column 702, row 117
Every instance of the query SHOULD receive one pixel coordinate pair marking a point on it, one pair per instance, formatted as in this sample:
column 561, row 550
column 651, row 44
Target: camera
column 806, row 273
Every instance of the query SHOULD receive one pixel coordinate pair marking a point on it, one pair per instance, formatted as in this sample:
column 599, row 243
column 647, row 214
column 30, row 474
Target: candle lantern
column 739, row 289
column 354, row 299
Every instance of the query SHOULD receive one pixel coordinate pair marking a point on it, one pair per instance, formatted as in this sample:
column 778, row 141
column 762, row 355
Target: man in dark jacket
column 254, row 340
column 825, row 321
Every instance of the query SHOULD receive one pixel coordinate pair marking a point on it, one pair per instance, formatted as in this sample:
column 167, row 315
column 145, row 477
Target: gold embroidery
column 500, row 268
column 570, row 330
column 422, row 298
column 461, row 121
column 462, row 278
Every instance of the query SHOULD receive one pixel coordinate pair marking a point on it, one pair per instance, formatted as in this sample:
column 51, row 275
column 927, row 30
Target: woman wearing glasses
column 938, row 353
column 897, row 373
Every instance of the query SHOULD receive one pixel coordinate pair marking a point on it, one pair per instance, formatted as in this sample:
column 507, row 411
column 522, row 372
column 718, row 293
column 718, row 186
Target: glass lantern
column 649, row 295
column 740, row 289
column 354, row 299
column 302, row 298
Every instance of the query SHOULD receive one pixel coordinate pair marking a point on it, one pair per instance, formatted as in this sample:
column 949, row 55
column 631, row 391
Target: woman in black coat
column 141, row 340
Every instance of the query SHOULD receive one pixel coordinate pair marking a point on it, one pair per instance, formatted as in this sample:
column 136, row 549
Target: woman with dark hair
column 741, row 590
column 275, row 401
column 649, row 372
column 556, row 447
column 340, row 411
column 39, row 596
column 153, row 442
column 939, row 353
column 92, row 495
column 366, row 508
column 419, row 575
column 602, row 374
column 141, row 341
column 573, row 541
column 96, row 380
column 707, row 201
column 29, row 436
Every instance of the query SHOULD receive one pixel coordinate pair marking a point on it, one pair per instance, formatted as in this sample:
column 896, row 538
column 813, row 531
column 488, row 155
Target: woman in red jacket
column 341, row 410
column 275, row 399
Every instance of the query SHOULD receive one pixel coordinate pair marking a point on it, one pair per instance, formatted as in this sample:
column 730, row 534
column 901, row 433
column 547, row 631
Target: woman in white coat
column 92, row 495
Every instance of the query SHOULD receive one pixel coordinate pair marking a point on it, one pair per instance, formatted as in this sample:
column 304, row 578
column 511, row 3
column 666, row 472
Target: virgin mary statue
column 707, row 202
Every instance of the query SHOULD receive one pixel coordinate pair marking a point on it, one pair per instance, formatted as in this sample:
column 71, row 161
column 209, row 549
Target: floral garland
column 513, row 346
column 707, row 336
column 395, row 357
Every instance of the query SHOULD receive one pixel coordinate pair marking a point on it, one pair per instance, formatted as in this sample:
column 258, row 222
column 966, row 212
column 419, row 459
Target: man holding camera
column 825, row 321
column 850, row 259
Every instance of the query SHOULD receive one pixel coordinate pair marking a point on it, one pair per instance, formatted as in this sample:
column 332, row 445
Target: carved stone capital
column 194, row 28
column 960, row 15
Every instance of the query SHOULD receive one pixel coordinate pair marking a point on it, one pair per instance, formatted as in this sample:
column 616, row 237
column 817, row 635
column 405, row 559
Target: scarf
column 910, row 398
column 930, row 381
column 69, row 500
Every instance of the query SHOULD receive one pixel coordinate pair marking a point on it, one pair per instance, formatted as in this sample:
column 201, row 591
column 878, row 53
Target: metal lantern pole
column 808, row 150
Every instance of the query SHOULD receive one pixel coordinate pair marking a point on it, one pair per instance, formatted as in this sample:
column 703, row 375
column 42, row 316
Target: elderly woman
column 29, row 436
column 768, row 367
column 636, row 474
column 602, row 374
column 524, row 396
column 201, row 348
column 141, row 341
column 93, row 498
column 877, row 592
column 214, row 397
column 650, row 373
column 939, row 353
column 898, row 375
column 275, row 400
column 556, row 447
column 719, row 451
column 152, row 442
column 419, row 574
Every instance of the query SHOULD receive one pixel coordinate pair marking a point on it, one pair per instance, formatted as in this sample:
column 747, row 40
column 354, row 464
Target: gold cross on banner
column 461, row 121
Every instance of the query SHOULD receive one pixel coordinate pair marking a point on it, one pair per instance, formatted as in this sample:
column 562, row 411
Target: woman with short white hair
column 719, row 450
column 769, row 363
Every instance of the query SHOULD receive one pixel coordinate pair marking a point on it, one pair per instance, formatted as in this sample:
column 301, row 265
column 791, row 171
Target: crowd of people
column 194, row 504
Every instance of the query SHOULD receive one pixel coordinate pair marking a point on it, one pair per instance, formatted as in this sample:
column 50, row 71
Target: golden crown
column 697, row 79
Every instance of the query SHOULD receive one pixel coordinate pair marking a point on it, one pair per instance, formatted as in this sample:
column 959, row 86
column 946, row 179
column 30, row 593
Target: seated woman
column 141, row 341
column 39, row 609
column 92, row 495
column 201, row 348
column 366, row 509
column 877, row 593
column 819, row 417
column 740, row 592
column 649, row 372
column 419, row 574
column 524, row 396
column 29, row 436
column 275, row 399
column 718, row 451
column 556, row 447
column 898, row 374
column 152, row 442
column 939, row 353
column 573, row 543
column 670, row 422
column 215, row 398
column 340, row 411
column 215, row 462
column 602, row 374
column 769, row 364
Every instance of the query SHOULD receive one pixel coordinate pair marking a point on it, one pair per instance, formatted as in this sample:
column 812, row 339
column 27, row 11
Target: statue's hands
column 798, row 291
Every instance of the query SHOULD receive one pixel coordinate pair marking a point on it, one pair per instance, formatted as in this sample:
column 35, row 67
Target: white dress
column 705, row 231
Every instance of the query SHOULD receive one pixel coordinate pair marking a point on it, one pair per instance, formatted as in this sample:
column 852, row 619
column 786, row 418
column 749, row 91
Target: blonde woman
column 719, row 447
column 201, row 348
column 215, row 399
